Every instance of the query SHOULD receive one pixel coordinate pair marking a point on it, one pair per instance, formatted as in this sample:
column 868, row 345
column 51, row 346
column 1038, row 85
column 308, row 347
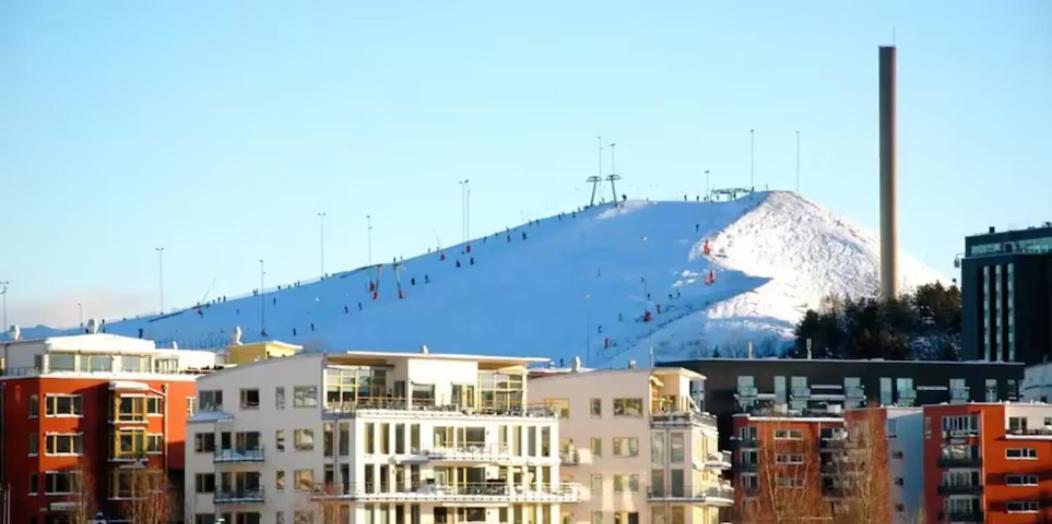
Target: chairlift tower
column 613, row 176
column 595, row 181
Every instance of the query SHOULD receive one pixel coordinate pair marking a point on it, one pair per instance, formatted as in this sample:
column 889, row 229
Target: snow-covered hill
column 576, row 284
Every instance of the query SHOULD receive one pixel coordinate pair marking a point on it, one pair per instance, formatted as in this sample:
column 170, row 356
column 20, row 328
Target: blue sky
column 219, row 129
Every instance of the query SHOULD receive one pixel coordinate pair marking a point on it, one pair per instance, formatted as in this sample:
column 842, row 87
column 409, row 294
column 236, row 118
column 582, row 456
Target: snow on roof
column 87, row 342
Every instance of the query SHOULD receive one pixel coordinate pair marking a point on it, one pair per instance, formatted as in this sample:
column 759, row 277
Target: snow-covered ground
column 576, row 284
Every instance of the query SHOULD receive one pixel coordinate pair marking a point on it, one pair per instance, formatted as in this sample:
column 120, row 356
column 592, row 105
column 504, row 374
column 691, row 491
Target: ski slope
column 575, row 284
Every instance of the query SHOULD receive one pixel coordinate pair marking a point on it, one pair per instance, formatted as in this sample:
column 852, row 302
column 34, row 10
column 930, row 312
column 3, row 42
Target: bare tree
column 863, row 476
column 151, row 501
column 788, row 490
column 84, row 501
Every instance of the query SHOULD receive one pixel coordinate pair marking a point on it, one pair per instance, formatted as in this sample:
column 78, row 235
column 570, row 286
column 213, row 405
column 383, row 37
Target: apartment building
column 88, row 422
column 987, row 462
column 897, row 436
column 638, row 441
column 374, row 437
column 787, row 463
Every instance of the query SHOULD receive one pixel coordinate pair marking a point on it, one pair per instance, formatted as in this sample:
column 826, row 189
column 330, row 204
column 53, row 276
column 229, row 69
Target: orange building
column 786, row 464
column 88, row 420
column 987, row 462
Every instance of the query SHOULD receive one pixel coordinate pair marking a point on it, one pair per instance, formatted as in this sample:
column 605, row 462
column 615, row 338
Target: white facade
column 97, row 354
column 904, row 430
column 371, row 437
column 639, row 445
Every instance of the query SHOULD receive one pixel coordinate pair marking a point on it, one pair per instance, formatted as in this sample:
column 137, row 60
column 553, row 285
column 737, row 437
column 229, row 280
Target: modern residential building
column 787, row 464
column 374, row 437
column 987, row 462
column 88, row 422
column 1006, row 286
column 742, row 385
column 897, row 433
column 640, row 442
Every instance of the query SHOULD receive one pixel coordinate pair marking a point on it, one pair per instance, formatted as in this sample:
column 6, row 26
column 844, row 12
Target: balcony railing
column 472, row 492
column 968, row 515
column 429, row 406
column 960, row 462
column 239, row 496
column 570, row 457
column 683, row 418
column 716, row 494
column 720, row 460
column 238, row 455
column 477, row 453
column 960, row 489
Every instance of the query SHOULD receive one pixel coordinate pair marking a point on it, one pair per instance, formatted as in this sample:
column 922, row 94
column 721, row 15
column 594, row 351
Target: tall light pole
column 752, row 158
column 321, row 217
column 369, row 237
column 798, row 162
column 160, row 273
column 707, row 186
column 3, row 293
column 262, row 302
column 80, row 313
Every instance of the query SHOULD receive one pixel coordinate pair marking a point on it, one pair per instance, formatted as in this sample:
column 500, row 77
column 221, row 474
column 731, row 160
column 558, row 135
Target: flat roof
column 564, row 372
column 775, row 360
column 487, row 359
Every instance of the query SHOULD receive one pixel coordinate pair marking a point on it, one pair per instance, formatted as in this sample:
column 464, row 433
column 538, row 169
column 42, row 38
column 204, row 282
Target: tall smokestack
column 888, row 175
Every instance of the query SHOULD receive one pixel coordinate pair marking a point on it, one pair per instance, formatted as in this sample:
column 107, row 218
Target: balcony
column 682, row 418
column 748, row 441
column 478, row 493
column 960, row 489
column 479, row 453
column 230, row 456
column 238, row 496
column 428, row 408
column 570, row 457
column 716, row 495
column 960, row 462
column 720, row 460
column 963, row 516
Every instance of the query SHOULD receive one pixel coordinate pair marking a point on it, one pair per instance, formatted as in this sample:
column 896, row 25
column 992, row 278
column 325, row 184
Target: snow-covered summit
column 607, row 284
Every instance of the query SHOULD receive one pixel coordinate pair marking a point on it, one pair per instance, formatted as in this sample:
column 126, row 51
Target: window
column 303, row 439
column 788, row 434
column 596, row 445
column 1020, row 480
column 1017, row 425
column 61, row 482
column 204, row 442
column 628, row 407
column 305, row 396
column 676, row 447
column 63, row 443
column 97, row 363
column 597, row 487
column 62, row 362
column 560, row 406
column 748, row 481
column 249, row 399
column 34, row 483
column 279, row 397
column 628, row 517
column 63, row 405
column 626, row 483
column 1022, row 506
column 134, row 364
column 211, row 400
column 205, row 483
column 153, row 406
column 279, row 439
column 596, row 407
column 597, row 517
column 303, row 517
column 279, row 517
column 279, row 479
column 626, row 446
column 304, row 479
column 790, row 482
column 34, row 444
column 789, row 458
column 204, row 518
column 34, row 406
column 1021, row 453
column 154, row 443
column 657, row 447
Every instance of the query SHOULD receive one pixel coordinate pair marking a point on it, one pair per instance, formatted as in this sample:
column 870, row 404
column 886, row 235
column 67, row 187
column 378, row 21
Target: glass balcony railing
column 239, row 496
column 238, row 455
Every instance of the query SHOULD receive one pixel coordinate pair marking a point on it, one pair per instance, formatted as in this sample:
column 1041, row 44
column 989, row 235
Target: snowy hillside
column 605, row 283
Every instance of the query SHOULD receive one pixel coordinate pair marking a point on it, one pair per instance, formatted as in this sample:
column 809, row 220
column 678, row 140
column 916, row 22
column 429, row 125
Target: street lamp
column 80, row 314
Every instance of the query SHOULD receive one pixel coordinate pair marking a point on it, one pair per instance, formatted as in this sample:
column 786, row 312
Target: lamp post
column 160, row 273
column 321, row 217
column 80, row 314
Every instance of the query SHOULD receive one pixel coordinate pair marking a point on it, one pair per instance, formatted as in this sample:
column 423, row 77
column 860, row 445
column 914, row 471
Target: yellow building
column 245, row 353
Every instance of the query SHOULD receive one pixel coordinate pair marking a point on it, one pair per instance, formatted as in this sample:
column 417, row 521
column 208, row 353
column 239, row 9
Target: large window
column 628, row 407
column 560, row 406
column 596, row 407
column 303, row 439
column 676, row 447
column 61, row 482
column 210, row 400
column 960, row 425
column 250, row 398
column 788, row 434
column 626, row 483
column 205, row 442
column 500, row 392
column 354, row 384
column 595, row 444
column 131, row 444
column 64, row 443
column 305, row 396
column 657, row 447
column 63, row 406
column 62, row 362
column 134, row 364
column 97, row 363
column 205, row 483
column 135, row 408
column 626, row 446
column 304, row 479
column 1021, row 453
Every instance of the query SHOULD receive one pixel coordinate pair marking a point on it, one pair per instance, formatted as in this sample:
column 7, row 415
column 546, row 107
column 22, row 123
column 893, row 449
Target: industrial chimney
column 888, row 175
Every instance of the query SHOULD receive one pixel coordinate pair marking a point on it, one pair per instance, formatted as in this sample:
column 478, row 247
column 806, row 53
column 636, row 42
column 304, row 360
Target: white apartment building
column 641, row 446
column 373, row 437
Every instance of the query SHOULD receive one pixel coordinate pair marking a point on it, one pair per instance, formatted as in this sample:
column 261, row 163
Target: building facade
column 1006, row 286
column 92, row 422
column 987, row 462
column 830, row 386
column 640, row 445
column 374, row 437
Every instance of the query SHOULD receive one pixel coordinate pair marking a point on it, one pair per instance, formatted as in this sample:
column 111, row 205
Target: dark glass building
column 1006, row 293
column 828, row 387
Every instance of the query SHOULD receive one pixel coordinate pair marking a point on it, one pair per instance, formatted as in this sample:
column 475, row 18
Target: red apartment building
column 987, row 462
column 85, row 418
column 786, row 464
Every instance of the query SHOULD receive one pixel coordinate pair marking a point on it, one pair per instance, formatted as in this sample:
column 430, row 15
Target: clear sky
column 219, row 130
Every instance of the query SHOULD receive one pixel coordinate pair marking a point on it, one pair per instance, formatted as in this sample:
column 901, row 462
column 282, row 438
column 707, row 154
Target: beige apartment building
column 640, row 445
